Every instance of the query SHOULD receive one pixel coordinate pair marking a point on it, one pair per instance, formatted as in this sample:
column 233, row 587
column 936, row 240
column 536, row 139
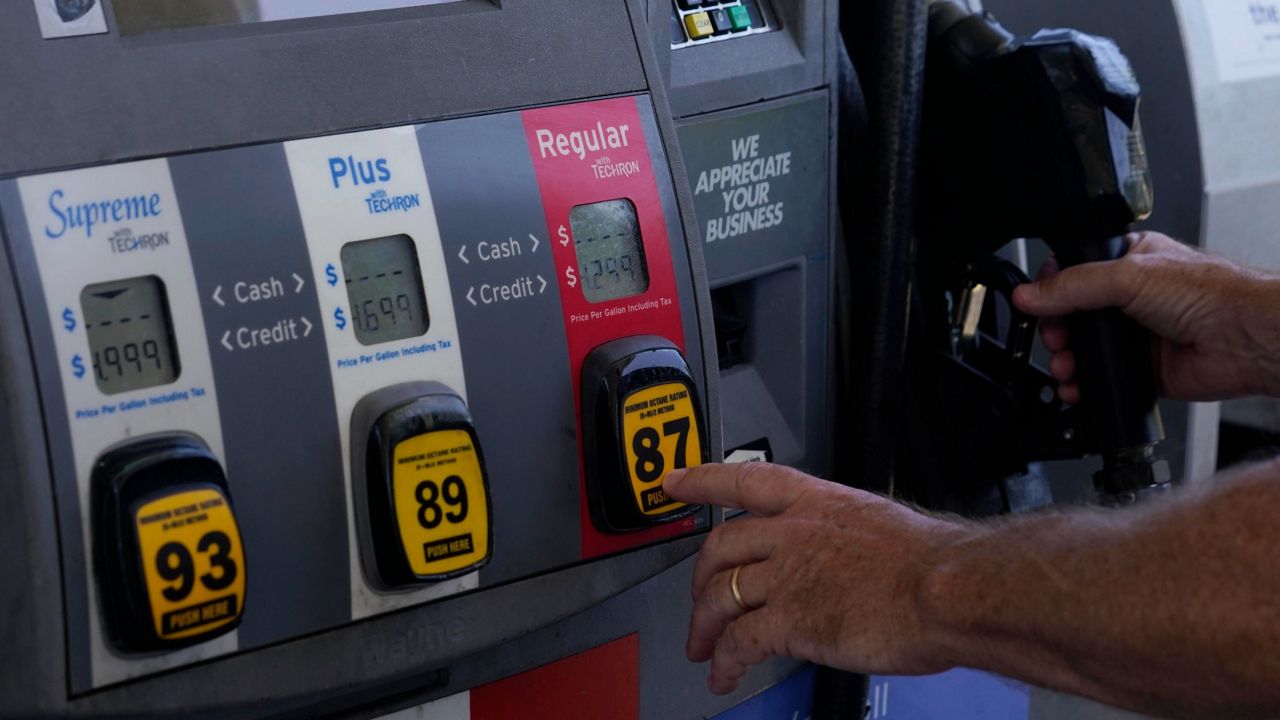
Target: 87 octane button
column 168, row 550
column 641, row 420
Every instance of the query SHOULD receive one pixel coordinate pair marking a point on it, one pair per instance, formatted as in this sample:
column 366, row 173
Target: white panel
column 130, row 226
column 1246, row 38
column 454, row 707
column 71, row 22
column 336, row 209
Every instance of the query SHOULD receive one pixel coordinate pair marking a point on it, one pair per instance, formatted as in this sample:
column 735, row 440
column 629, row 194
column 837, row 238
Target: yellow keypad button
column 441, row 502
column 660, row 431
column 699, row 25
column 192, row 561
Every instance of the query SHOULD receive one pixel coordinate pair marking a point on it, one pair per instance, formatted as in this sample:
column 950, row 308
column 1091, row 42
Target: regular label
column 660, row 431
column 442, row 509
column 193, row 562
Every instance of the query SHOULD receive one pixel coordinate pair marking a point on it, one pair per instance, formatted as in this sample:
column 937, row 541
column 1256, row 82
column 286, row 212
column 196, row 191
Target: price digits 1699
column 373, row 313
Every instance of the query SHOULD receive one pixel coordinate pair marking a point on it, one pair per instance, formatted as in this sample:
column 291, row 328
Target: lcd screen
column 130, row 334
column 384, row 287
column 139, row 16
column 610, row 251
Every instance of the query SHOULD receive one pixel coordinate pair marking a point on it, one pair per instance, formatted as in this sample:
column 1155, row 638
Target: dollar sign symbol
column 77, row 366
column 563, row 232
column 571, row 276
column 331, row 274
column 341, row 318
column 68, row 320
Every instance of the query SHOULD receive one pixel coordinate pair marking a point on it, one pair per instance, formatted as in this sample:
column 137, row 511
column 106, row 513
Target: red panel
column 603, row 682
column 586, row 153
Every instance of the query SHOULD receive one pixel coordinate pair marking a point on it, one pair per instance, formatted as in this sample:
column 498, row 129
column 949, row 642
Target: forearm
column 1173, row 609
column 1262, row 322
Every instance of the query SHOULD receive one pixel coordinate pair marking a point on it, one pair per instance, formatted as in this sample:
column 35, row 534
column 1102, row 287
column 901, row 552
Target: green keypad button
column 739, row 17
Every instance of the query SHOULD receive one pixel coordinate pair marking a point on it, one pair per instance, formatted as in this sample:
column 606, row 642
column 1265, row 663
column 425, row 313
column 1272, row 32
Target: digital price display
column 384, row 287
column 610, row 251
column 130, row 334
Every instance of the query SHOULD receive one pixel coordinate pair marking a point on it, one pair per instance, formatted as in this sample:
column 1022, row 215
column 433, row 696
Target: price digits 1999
column 112, row 361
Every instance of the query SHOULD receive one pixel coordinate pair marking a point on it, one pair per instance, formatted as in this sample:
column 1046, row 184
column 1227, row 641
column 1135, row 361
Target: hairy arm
column 1170, row 609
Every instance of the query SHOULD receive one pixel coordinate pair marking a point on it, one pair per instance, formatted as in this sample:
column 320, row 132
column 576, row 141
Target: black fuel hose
column 880, row 122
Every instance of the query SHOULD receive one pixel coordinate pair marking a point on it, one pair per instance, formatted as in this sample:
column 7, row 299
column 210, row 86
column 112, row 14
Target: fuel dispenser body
column 344, row 353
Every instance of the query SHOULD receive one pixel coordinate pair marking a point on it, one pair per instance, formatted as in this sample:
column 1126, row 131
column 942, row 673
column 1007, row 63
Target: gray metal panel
column 671, row 688
column 676, row 175
column 31, row 602
column 57, row 436
column 396, row 655
column 778, row 276
column 748, row 69
column 270, row 397
column 174, row 91
column 485, row 194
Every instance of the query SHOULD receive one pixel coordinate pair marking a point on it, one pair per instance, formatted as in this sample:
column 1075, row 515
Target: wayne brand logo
column 581, row 142
column 86, row 215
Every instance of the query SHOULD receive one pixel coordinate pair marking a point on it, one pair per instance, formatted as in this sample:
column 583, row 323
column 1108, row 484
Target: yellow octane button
column 661, row 434
column 193, row 562
column 699, row 25
column 441, row 506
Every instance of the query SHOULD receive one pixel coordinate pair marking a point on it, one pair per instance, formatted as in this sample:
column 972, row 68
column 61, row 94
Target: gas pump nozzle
column 1040, row 137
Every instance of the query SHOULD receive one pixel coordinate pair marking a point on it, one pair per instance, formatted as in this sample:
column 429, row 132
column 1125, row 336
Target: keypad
column 697, row 22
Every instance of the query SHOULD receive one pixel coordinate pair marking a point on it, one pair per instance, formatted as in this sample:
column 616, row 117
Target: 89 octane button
column 425, row 511
column 441, row 508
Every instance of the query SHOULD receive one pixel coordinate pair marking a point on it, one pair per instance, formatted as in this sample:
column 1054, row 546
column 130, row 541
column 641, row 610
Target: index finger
column 762, row 489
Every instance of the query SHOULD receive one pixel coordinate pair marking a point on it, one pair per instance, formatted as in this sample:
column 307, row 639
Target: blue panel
column 955, row 695
column 791, row 699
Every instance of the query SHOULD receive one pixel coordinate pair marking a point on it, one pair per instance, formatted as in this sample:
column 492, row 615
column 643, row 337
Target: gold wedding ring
column 733, row 585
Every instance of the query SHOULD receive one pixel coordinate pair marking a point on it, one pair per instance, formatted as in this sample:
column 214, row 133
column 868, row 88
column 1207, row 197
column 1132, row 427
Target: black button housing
column 125, row 478
column 610, row 374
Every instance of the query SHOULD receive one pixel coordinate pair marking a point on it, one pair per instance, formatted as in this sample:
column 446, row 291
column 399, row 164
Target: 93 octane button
column 661, row 434
column 193, row 562
column 441, row 503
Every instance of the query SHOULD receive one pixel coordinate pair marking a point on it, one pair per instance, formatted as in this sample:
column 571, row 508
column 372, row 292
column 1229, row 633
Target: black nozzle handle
column 1113, row 364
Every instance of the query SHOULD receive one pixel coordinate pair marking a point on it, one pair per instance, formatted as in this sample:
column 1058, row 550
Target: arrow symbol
column 226, row 341
column 217, row 296
column 307, row 330
column 462, row 254
column 535, row 242
column 471, row 292
column 543, row 281
column 301, row 283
